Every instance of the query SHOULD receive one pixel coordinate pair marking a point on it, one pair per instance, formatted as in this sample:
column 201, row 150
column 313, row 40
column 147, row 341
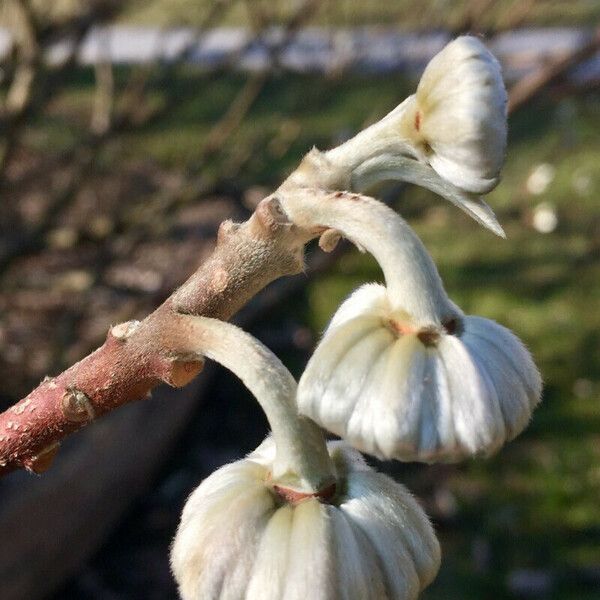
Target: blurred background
column 130, row 129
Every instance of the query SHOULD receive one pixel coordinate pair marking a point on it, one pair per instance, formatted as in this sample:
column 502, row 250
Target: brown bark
column 138, row 356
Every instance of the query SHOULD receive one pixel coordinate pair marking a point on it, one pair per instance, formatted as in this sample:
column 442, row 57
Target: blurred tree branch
column 28, row 64
column 134, row 114
column 28, row 53
column 531, row 85
column 33, row 39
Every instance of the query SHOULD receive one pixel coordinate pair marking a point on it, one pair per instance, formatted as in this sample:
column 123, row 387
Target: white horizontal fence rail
column 317, row 49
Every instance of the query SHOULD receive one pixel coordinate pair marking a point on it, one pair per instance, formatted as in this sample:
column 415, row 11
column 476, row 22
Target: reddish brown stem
column 136, row 356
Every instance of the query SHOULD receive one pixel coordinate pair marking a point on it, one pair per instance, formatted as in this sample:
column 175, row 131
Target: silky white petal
column 509, row 395
column 388, row 399
column 478, row 420
column 398, row 530
column 359, row 576
column 430, row 416
column 339, row 342
column 311, row 564
column 329, row 392
column 271, row 562
column 508, row 344
column 406, row 392
column 461, row 101
column 237, row 474
column 204, row 566
column 346, row 459
column 371, row 299
column 410, row 405
column 388, row 495
column 264, row 455
column 364, row 424
column 517, row 384
column 445, row 408
column 393, row 167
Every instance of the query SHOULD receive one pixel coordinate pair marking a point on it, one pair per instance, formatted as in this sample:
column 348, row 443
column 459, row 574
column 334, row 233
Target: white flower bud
column 449, row 137
column 241, row 538
column 397, row 389
column 457, row 117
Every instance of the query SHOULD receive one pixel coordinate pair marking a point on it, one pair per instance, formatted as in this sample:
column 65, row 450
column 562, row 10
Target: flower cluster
column 244, row 536
column 401, row 372
column 298, row 518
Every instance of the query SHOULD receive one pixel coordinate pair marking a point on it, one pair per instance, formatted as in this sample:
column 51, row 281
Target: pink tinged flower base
column 241, row 539
column 434, row 393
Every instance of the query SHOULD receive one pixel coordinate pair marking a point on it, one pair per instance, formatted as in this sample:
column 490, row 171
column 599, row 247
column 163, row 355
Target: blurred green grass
column 413, row 14
column 406, row 14
column 536, row 505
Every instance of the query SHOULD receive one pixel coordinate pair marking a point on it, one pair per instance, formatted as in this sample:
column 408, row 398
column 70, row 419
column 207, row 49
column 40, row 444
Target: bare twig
column 27, row 97
column 243, row 101
column 132, row 115
column 24, row 30
column 103, row 99
column 19, row 95
column 234, row 116
column 528, row 87
column 137, row 356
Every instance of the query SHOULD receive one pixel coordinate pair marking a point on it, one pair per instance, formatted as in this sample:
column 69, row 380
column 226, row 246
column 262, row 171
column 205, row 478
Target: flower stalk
column 411, row 276
column 449, row 137
column 301, row 462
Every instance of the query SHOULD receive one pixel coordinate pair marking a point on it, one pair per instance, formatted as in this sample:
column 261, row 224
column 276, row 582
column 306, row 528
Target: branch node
column 42, row 461
column 329, row 240
column 76, row 406
column 124, row 330
column 270, row 215
column 179, row 371
column 226, row 230
column 317, row 170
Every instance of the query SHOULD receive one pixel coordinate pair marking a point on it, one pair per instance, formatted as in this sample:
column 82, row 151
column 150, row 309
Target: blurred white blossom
column 582, row 183
column 540, row 178
column 545, row 219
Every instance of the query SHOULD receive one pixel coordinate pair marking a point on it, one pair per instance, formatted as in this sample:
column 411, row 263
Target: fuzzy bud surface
column 241, row 539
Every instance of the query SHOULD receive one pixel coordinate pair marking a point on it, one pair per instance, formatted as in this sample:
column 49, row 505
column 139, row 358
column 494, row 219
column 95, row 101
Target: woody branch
column 137, row 356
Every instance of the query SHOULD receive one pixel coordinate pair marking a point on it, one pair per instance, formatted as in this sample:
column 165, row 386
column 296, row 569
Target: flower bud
column 396, row 388
column 241, row 537
column 457, row 118
column 449, row 137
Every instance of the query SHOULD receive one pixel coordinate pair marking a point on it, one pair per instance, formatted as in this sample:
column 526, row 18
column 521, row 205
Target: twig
column 529, row 86
column 34, row 97
column 105, row 126
column 103, row 99
column 19, row 95
column 137, row 356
